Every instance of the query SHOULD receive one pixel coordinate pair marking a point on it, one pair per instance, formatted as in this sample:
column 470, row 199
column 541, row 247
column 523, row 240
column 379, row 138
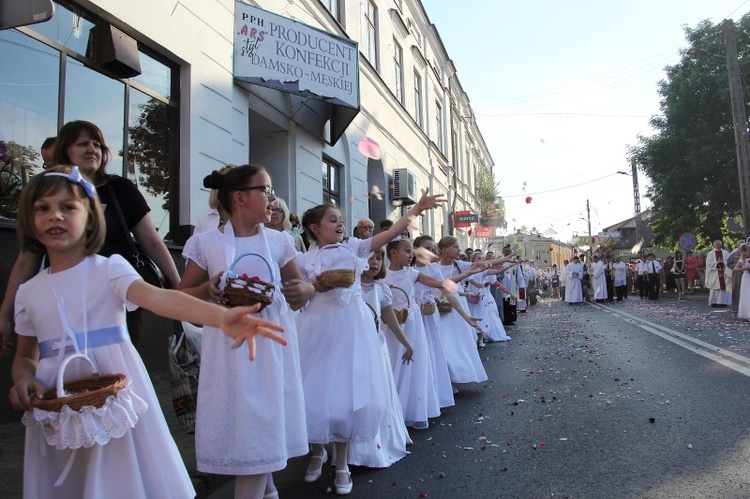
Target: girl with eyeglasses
column 250, row 417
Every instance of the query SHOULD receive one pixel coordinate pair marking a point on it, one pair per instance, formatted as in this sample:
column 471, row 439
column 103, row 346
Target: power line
column 558, row 189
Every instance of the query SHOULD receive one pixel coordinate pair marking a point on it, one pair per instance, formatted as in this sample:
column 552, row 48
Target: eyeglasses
column 267, row 188
column 276, row 210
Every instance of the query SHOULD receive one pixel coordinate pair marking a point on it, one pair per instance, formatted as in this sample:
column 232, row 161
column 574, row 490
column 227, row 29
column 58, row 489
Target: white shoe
column 315, row 468
column 346, row 488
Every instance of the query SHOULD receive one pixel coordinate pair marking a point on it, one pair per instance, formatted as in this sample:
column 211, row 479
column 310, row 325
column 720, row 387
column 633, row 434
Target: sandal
column 346, row 488
column 313, row 473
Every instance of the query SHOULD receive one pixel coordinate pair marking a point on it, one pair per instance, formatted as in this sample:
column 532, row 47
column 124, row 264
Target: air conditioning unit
column 404, row 186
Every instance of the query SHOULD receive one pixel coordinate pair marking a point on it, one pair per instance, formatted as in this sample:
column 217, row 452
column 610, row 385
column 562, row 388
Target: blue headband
column 76, row 177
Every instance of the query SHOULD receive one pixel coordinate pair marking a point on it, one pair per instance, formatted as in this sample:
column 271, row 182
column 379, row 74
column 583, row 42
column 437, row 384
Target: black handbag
column 140, row 262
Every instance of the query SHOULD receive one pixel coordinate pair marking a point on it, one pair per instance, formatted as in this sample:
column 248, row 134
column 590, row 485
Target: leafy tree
column 491, row 206
column 691, row 158
column 148, row 149
column 17, row 165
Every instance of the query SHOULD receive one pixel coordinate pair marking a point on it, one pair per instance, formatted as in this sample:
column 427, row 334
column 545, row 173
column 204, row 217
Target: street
column 586, row 401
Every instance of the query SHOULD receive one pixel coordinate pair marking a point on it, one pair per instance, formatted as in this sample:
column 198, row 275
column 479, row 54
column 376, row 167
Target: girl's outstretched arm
column 389, row 317
column 473, row 321
column 425, row 202
column 238, row 322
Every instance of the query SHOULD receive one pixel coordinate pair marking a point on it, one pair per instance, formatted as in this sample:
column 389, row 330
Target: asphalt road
column 641, row 399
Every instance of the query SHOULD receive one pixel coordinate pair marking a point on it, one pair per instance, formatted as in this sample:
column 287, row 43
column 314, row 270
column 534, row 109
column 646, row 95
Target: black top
column 133, row 206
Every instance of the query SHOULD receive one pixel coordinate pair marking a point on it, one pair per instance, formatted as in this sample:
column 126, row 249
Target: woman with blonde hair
column 280, row 221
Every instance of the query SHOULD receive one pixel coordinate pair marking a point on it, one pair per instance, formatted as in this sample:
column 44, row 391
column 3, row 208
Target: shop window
column 139, row 117
column 331, row 182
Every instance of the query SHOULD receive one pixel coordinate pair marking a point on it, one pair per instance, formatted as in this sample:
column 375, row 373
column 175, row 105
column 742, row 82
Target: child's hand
column 477, row 267
column 240, row 324
column 214, row 293
column 297, row 292
column 474, row 322
column 19, row 393
column 427, row 202
column 407, row 357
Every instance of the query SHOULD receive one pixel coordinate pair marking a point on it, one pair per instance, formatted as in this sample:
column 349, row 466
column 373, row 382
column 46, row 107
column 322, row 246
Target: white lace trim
column 69, row 429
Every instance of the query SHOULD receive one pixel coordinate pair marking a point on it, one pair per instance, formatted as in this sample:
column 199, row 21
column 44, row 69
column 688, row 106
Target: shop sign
column 482, row 231
column 277, row 52
column 465, row 219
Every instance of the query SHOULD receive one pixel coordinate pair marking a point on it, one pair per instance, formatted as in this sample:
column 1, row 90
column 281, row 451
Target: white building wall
column 215, row 119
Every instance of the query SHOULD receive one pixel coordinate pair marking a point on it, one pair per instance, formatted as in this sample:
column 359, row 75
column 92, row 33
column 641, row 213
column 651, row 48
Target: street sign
column 465, row 219
column 688, row 241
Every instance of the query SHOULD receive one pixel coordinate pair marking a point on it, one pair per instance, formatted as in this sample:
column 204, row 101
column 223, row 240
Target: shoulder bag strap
column 128, row 236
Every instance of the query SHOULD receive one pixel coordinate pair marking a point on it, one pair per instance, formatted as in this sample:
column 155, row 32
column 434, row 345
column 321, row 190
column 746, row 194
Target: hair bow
column 76, row 177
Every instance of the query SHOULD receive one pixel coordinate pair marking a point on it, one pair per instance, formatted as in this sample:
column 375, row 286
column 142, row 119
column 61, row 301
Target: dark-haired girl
column 250, row 417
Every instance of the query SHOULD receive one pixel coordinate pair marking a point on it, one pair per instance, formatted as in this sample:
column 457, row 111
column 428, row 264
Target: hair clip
column 75, row 177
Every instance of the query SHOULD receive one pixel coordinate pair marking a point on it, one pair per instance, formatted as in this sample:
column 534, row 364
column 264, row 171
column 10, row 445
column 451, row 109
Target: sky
column 560, row 90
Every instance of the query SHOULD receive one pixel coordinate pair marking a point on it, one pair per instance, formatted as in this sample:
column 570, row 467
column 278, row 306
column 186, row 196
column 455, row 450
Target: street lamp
column 739, row 116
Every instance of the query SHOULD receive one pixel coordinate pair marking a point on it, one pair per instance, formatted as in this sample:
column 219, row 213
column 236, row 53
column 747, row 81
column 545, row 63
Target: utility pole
column 739, row 118
column 588, row 220
column 636, row 202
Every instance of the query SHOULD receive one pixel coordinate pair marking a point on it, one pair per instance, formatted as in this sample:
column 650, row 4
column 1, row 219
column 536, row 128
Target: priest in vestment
column 573, row 290
column 718, row 276
column 620, row 276
column 599, row 279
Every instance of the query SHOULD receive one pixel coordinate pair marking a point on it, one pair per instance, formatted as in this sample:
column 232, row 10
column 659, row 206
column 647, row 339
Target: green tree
column 691, row 159
column 491, row 206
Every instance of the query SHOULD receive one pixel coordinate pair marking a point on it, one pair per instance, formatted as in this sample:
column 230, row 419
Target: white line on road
column 727, row 358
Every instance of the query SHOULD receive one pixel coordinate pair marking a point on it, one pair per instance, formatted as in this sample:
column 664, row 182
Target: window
column 439, row 125
column 398, row 71
column 371, row 33
column 333, row 8
column 331, row 183
column 418, row 99
column 138, row 116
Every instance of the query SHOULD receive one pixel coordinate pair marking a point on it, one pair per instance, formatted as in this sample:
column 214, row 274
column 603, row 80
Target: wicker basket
column 402, row 314
column 340, row 278
column 242, row 292
column 444, row 307
column 91, row 391
column 427, row 308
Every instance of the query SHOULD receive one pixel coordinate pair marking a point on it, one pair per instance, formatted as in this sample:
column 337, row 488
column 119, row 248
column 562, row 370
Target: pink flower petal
column 369, row 148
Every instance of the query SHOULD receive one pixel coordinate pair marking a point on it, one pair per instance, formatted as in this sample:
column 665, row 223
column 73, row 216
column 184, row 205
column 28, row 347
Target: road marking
column 727, row 358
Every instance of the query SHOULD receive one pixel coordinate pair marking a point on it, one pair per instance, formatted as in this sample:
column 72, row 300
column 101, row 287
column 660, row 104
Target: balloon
column 528, row 199
column 369, row 148
column 551, row 248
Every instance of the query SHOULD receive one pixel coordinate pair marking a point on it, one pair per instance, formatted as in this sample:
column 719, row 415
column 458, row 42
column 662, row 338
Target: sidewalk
column 12, row 442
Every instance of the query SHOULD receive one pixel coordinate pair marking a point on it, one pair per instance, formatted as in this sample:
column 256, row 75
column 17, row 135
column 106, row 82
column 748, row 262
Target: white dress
column 744, row 310
column 389, row 445
column 492, row 327
column 145, row 462
column 459, row 338
column 415, row 381
column 599, row 280
column 342, row 371
column 573, row 290
column 250, row 417
column 432, row 325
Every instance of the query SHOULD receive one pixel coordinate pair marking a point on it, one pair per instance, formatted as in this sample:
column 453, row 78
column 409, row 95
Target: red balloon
column 528, row 199
column 551, row 248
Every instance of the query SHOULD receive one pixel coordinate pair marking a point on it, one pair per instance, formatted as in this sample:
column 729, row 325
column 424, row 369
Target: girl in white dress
column 742, row 271
column 486, row 308
column 339, row 351
column 428, row 295
column 80, row 302
column 389, row 445
column 250, row 417
column 459, row 338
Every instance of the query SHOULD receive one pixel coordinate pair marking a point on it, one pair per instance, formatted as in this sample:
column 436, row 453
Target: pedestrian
column 280, row 222
column 641, row 278
column 270, row 389
column 678, row 270
column 80, row 302
column 574, row 271
column 653, row 273
column 731, row 262
column 620, row 271
column 742, row 272
column 599, row 280
column 364, row 228
column 555, row 282
column 563, row 279
column 48, row 152
column 691, row 270
column 718, row 276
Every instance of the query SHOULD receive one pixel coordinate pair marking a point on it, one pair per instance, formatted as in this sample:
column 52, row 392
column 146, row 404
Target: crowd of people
column 332, row 346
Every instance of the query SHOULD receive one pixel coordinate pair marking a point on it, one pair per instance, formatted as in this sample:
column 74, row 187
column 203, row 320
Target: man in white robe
column 718, row 276
column 574, row 271
column 599, row 280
